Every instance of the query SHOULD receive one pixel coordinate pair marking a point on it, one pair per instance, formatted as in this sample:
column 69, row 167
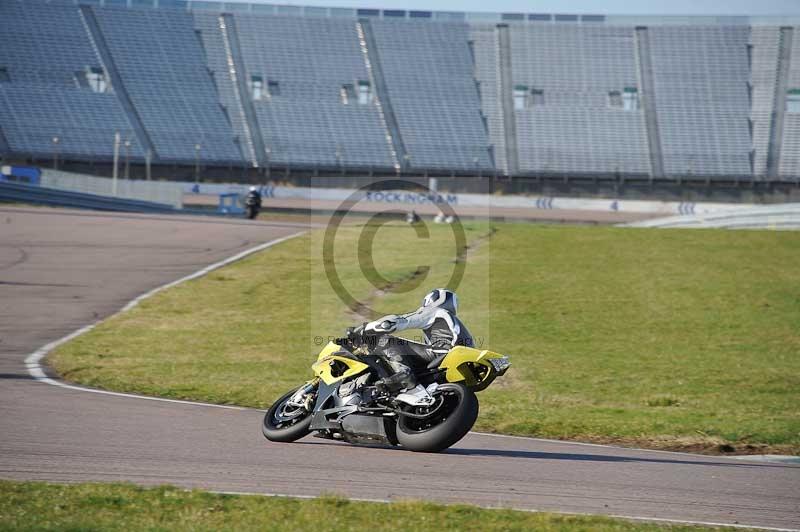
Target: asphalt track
column 60, row 270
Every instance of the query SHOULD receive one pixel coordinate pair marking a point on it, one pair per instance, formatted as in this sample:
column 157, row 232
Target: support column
column 507, row 98
column 5, row 149
column 647, row 86
column 779, row 102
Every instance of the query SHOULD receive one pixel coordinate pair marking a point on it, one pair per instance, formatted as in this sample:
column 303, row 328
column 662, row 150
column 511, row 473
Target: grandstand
column 313, row 91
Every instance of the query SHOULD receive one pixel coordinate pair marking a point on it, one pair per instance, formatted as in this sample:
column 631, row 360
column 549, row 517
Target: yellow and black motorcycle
column 345, row 400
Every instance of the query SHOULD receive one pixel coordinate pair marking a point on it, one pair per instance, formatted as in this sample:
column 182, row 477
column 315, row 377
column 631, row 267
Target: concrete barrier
column 411, row 199
column 38, row 195
column 779, row 217
column 165, row 192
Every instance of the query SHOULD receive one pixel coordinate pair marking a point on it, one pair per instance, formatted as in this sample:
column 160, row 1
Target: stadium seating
column 303, row 119
column 84, row 123
column 574, row 127
column 701, row 77
column 790, row 146
column 364, row 90
column 428, row 71
column 41, row 100
column 162, row 64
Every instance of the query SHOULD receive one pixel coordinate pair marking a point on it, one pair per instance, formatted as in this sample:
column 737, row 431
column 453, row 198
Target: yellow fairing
column 470, row 366
column 326, row 362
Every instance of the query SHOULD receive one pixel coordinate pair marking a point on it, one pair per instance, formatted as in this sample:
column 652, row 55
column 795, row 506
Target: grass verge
column 39, row 506
column 670, row 339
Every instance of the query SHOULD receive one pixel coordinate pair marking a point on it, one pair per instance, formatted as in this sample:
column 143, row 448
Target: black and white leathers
column 441, row 328
column 437, row 320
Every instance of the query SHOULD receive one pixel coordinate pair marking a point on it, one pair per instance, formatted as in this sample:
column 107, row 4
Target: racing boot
column 402, row 380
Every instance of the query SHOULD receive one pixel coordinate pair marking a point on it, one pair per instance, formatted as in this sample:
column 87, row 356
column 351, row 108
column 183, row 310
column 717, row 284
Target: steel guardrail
column 16, row 192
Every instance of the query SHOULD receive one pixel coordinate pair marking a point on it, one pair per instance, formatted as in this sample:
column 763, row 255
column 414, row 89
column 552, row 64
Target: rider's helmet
column 253, row 189
column 443, row 298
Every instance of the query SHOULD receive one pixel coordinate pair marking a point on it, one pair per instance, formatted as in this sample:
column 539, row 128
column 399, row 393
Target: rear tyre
column 449, row 422
column 284, row 422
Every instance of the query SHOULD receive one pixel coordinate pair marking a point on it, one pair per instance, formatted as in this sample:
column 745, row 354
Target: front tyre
column 452, row 416
column 285, row 422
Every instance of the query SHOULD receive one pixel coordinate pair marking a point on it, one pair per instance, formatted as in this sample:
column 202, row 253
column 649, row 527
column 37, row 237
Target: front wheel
column 451, row 417
column 286, row 422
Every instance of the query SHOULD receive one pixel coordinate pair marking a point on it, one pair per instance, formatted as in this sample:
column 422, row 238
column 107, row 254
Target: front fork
column 303, row 397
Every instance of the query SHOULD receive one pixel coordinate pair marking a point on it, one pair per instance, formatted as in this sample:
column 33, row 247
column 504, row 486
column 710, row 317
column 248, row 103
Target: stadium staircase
column 244, row 104
column 100, row 46
column 397, row 148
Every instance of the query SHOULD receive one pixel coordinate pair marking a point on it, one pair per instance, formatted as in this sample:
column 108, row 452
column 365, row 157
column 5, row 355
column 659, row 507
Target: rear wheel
column 286, row 421
column 442, row 424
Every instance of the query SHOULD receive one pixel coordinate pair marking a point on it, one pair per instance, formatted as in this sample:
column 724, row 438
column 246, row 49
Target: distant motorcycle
column 345, row 400
column 252, row 203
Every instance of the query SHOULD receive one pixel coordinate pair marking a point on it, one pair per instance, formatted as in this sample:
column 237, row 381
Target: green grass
column 660, row 338
column 38, row 506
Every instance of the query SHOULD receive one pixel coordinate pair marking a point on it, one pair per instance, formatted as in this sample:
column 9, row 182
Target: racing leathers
column 253, row 198
column 442, row 331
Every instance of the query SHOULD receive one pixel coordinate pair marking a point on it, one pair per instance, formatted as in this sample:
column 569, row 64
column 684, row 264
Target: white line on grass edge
column 33, row 363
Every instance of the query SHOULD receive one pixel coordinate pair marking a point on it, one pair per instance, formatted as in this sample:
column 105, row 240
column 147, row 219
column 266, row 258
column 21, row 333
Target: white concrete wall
column 406, row 198
column 168, row 192
column 785, row 216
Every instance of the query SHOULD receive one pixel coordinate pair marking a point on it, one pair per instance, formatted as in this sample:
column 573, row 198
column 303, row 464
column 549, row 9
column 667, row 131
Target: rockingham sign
column 410, row 198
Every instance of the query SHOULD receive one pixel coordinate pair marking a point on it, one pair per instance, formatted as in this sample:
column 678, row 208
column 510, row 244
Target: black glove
column 356, row 333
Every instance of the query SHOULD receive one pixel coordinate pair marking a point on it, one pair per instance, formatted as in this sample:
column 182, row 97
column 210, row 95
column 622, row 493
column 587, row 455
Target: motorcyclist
column 253, row 197
column 252, row 203
column 442, row 331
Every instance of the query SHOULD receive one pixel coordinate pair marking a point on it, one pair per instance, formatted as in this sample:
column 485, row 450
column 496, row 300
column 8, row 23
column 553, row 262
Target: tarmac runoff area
column 63, row 270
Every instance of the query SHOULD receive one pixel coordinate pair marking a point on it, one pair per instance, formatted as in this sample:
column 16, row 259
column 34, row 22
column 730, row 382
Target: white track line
column 33, row 362
column 529, row 510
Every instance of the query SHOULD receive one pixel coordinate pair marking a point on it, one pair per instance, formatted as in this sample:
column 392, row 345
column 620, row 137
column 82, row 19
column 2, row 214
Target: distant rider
column 412, row 217
column 253, row 197
column 441, row 328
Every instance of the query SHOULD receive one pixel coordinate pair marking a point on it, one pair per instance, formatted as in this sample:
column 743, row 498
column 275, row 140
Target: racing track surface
column 60, row 270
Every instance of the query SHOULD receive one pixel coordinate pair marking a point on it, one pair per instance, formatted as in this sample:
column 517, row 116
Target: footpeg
column 417, row 396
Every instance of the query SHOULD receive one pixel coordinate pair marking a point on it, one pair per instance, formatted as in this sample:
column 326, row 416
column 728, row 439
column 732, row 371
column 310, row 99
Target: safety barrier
column 17, row 192
column 488, row 201
column 167, row 192
column 784, row 216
